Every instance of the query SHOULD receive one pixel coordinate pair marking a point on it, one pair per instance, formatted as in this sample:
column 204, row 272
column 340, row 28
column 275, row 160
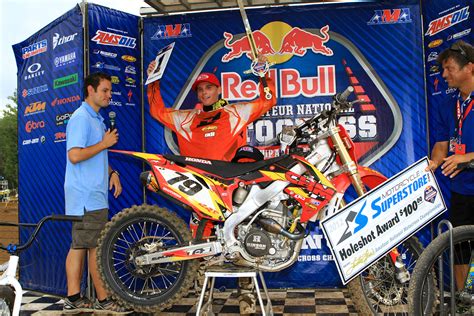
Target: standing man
column 214, row 129
column 88, row 178
column 455, row 137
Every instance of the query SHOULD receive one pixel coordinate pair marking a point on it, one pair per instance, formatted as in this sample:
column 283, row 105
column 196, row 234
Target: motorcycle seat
column 224, row 169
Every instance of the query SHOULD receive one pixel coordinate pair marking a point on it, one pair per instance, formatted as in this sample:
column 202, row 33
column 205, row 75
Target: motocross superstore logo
column 172, row 31
column 388, row 16
column 447, row 21
column 112, row 39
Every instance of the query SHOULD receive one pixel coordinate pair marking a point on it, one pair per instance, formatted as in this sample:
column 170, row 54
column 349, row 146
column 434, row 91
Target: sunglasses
column 459, row 50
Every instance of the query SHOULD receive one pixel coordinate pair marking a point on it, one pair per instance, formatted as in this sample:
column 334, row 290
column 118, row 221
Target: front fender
column 370, row 178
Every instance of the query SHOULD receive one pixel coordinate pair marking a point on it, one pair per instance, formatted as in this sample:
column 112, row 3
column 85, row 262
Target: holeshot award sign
column 371, row 226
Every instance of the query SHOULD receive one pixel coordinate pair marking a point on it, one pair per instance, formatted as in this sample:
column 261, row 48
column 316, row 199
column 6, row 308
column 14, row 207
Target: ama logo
column 390, row 16
column 448, row 20
column 172, row 31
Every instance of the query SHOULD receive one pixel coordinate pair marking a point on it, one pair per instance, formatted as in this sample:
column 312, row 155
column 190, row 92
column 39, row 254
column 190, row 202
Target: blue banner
column 445, row 23
column 316, row 52
column 114, row 48
column 50, row 72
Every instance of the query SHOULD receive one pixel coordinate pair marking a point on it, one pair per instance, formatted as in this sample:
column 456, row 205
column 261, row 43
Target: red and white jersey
column 212, row 135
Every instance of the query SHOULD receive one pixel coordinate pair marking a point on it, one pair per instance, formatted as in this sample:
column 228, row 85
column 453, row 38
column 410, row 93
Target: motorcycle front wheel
column 7, row 299
column 132, row 233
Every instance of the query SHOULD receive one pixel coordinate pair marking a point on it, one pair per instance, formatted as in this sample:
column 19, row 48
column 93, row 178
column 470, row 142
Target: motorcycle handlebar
column 54, row 217
column 342, row 97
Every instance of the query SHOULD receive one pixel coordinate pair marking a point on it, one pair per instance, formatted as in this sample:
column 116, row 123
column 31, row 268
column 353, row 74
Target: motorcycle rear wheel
column 150, row 288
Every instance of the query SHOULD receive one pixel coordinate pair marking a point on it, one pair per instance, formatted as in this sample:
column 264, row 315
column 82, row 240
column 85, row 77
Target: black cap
column 248, row 154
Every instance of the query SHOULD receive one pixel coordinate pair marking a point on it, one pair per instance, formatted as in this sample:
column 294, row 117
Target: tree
column 9, row 142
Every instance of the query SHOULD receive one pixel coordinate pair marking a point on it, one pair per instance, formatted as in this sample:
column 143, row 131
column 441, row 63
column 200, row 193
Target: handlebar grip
column 60, row 217
column 342, row 97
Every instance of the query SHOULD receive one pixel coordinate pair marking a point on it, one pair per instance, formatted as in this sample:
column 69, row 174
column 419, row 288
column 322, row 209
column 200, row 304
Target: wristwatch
column 114, row 171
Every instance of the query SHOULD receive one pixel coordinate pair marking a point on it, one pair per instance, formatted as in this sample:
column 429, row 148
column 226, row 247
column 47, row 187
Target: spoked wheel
column 377, row 290
column 134, row 232
column 428, row 269
column 7, row 299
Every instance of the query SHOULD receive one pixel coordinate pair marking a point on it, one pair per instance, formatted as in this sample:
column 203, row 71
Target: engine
column 260, row 239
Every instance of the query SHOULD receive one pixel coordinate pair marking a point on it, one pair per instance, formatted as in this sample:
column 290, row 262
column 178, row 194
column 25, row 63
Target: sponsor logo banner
column 32, row 91
column 34, row 70
column 172, row 31
column 32, row 125
column 34, row 49
column 447, row 21
column 66, row 100
column 105, row 53
column 59, row 40
column 65, row 81
column 391, row 16
column 65, row 59
column 102, row 65
column 59, row 137
column 374, row 224
column 35, row 108
column 112, row 39
column 63, row 118
column 32, row 141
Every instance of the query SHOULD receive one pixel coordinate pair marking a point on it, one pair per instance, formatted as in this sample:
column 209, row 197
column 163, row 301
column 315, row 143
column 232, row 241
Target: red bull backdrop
column 317, row 51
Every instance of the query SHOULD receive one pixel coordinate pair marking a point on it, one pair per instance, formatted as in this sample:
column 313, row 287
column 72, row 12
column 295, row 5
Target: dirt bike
column 259, row 212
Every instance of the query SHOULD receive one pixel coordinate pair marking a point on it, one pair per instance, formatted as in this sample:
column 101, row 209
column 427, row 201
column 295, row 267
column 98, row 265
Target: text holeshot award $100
column 369, row 227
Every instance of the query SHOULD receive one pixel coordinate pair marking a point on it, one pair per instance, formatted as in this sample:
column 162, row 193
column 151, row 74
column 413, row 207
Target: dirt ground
column 8, row 235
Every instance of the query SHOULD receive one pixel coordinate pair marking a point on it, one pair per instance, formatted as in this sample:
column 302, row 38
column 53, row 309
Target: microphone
column 112, row 120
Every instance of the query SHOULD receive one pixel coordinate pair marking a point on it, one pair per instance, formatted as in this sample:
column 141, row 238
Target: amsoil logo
column 66, row 100
column 32, row 125
column 172, row 31
column 448, row 20
column 65, row 81
column 112, row 39
column 390, row 16
column 35, row 107
column 34, row 49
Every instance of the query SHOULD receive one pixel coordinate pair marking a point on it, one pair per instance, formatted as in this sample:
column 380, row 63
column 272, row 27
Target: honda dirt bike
column 259, row 212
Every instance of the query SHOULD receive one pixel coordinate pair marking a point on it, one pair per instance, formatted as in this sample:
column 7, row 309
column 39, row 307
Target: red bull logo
column 290, row 41
column 242, row 46
column 298, row 42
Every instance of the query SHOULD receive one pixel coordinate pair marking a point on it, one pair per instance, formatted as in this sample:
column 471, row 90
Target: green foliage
column 9, row 142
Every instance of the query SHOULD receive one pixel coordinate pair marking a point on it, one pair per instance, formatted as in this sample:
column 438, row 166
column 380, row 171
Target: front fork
column 350, row 166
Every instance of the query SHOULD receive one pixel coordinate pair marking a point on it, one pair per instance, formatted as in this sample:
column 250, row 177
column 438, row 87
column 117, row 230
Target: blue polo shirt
column 86, row 182
column 445, row 128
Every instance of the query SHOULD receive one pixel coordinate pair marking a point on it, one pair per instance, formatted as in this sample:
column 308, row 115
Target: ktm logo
column 36, row 107
column 172, row 31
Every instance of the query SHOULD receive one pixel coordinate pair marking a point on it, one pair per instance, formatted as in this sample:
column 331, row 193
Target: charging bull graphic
column 298, row 41
column 241, row 46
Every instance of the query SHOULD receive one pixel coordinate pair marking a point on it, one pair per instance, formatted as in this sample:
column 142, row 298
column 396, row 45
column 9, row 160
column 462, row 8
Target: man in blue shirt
column 455, row 137
column 88, row 178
